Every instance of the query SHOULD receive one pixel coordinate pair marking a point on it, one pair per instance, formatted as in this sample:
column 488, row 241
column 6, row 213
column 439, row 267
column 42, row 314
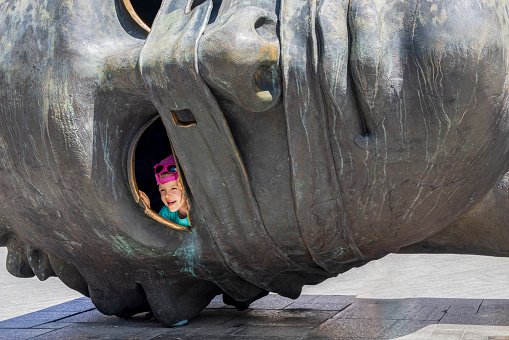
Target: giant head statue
column 310, row 136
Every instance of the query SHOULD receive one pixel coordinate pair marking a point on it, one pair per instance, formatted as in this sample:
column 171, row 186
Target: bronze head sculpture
column 311, row 137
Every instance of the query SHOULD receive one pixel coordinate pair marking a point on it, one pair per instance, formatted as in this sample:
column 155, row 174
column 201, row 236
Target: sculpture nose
column 239, row 59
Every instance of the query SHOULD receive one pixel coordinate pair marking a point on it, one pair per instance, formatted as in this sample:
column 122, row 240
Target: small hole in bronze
column 183, row 118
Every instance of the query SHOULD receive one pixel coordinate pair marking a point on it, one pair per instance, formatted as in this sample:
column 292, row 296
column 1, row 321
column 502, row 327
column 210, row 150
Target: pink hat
column 166, row 166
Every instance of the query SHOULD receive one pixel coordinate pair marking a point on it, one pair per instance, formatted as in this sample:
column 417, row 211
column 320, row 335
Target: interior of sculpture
column 152, row 146
column 143, row 11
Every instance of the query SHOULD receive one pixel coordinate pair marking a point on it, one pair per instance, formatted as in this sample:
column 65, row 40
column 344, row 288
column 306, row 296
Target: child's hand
column 144, row 198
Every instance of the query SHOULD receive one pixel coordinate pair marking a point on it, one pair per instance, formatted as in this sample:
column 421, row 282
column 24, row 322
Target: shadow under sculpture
column 311, row 137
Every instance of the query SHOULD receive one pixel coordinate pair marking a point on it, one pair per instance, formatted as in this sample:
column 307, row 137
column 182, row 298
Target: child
column 175, row 204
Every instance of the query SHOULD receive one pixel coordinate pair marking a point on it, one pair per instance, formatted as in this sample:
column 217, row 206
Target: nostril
column 259, row 23
column 266, row 28
column 265, row 80
column 239, row 59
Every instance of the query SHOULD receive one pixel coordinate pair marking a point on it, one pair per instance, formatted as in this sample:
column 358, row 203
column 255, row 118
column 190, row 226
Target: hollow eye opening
column 143, row 12
column 139, row 15
column 150, row 145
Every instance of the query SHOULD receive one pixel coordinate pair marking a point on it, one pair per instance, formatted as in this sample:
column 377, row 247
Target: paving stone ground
column 276, row 317
column 22, row 296
column 409, row 297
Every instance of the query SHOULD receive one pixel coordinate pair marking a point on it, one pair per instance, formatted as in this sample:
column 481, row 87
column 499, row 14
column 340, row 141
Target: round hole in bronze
column 143, row 12
column 150, row 135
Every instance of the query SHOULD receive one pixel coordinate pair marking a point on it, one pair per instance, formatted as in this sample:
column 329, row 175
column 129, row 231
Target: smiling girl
column 175, row 204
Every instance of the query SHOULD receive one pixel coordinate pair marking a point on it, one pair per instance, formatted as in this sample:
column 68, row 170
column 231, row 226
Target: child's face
column 172, row 197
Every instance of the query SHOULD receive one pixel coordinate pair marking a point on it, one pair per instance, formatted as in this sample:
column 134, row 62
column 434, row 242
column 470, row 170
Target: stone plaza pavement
column 275, row 317
column 399, row 297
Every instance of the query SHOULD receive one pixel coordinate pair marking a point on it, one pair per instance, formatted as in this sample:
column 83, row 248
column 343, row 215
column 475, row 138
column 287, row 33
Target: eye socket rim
column 133, row 185
column 130, row 9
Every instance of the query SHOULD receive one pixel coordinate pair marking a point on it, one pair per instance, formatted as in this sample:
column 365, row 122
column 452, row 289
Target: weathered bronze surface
column 312, row 137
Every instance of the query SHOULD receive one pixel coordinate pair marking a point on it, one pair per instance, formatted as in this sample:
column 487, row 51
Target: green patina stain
column 340, row 252
column 62, row 236
column 187, row 257
column 120, row 245
column 131, row 248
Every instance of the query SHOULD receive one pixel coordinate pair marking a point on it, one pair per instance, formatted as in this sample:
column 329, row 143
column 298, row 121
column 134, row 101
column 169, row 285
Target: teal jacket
column 173, row 216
